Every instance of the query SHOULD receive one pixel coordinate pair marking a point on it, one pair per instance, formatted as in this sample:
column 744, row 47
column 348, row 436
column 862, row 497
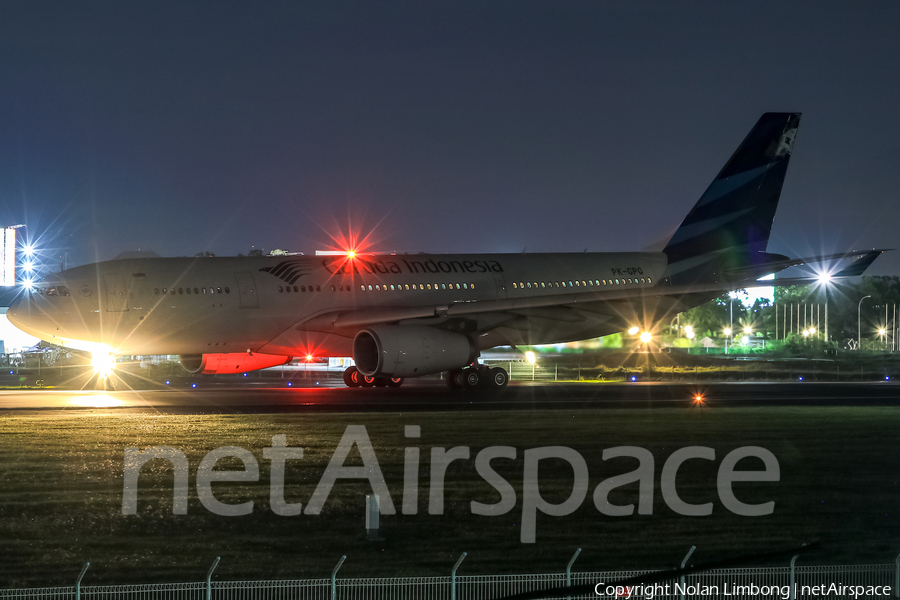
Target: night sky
column 182, row 127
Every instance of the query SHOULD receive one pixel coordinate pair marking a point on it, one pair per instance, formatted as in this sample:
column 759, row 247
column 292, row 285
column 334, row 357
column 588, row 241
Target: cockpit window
column 53, row 290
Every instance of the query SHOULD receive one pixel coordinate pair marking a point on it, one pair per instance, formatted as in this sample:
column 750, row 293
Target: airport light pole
column 859, row 323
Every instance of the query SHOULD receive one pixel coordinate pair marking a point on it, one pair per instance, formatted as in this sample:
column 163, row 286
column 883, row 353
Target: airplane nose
column 15, row 309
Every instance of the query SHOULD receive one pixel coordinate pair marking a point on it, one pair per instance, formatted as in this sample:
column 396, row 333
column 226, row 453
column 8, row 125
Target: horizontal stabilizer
column 859, row 266
column 783, row 262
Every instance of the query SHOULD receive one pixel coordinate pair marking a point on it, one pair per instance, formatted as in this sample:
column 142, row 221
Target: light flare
column 103, row 361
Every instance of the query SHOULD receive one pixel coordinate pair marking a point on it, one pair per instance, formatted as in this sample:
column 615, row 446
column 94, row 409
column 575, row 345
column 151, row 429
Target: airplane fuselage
column 275, row 304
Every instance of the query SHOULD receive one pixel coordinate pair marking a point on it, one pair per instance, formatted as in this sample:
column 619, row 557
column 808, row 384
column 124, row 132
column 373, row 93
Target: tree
column 712, row 317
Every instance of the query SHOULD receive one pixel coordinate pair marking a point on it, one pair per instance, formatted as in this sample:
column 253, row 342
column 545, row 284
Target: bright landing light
column 646, row 337
column 529, row 356
column 103, row 362
column 633, row 331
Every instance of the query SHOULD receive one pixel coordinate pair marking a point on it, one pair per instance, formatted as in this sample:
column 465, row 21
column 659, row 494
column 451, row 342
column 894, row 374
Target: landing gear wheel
column 472, row 378
column 368, row 381
column 352, row 377
column 395, row 382
column 498, row 378
column 457, row 379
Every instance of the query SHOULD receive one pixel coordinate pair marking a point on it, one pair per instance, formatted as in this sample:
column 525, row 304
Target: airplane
column 409, row 315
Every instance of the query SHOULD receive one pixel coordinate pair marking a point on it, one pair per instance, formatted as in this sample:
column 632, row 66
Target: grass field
column 61, row 480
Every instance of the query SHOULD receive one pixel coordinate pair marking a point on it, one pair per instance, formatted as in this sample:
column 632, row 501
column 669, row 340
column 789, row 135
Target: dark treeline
column 843, row 300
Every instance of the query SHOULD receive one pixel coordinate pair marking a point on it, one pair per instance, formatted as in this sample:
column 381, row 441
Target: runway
column 432, row 396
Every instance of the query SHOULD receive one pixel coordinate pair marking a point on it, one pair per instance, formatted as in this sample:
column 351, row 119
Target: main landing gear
column 478, row 377
column 353, row 378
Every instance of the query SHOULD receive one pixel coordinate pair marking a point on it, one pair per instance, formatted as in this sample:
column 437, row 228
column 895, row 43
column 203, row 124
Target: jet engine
column 410, row 350
column 233, row 362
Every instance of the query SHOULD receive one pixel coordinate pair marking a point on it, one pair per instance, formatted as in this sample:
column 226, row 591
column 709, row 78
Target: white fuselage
column 297, row 305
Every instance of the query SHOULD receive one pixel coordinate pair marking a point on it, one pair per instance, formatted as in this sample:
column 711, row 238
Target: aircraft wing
column 545, row 306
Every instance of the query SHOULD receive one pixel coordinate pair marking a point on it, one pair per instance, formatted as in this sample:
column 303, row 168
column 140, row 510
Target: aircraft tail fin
column 729, row 226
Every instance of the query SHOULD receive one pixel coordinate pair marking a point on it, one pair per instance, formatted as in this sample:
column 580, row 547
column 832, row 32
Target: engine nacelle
column 411, row 350
column 233, row 362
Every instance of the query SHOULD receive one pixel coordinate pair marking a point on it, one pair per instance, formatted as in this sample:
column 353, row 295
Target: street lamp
column 859, row 323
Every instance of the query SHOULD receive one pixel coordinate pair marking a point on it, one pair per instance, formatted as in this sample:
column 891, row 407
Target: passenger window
column 471, row 286
column 406, row 287
column 204, row 290
column 542, row 284
column 514, row 285
column 228, row 290
column 288, row 290
column 529, row 284
column 172, row 291
column 180, row 291
column 370, row 287
column 156, row 291
column 649, row 280
column 443, row 286
column 188, row 290
column 280, row 289
column 218, row 290
column 564, row 284
column 196, row 291
column 318, row 288
column 302, row 288
column 429, row 286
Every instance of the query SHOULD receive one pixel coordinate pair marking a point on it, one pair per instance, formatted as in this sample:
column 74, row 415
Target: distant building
column 708, row 342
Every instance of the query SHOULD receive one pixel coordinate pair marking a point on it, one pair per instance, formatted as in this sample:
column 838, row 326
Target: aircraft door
column 247, row 288
column 116, row 294
column 500, row 284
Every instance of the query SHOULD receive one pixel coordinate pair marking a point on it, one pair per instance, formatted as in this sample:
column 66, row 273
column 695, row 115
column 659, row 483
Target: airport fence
column 784, row 582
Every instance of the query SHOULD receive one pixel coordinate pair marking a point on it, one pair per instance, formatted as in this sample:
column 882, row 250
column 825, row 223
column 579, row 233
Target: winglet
column 859, row 266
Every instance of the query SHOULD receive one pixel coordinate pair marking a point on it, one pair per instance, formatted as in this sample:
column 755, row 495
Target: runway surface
column 218, row 399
